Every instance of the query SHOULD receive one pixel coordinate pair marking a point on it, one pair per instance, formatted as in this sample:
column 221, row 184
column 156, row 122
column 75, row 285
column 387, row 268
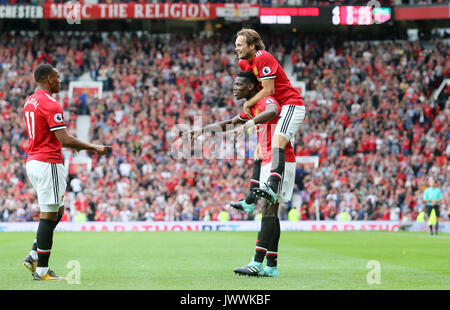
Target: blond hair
column 252, row 37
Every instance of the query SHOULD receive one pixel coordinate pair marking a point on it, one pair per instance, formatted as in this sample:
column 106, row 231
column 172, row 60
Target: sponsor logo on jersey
column 269, row 101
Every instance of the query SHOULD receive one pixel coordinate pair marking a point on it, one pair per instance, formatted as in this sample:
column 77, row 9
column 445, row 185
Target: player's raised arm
column 245, row 86
column 268, row 89
column 269, row 113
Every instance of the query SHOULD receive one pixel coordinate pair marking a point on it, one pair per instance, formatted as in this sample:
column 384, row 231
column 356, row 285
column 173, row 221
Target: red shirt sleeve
column 260, row 107
column 244, row 65
column 263, row 103
column 267, row 66
column 242, row 116
column 55, row 117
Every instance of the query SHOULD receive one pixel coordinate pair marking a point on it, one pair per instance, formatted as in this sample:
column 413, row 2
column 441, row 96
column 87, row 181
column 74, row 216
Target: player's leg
column 60, row 214
column 48, row 180
column 30, row 261
column 256, row 174
column 271, row 269
column 287, row 188
column 428, row 213
column 47, row 224
column 436, row 226
column 268, row 226
column 248, row 204
column 291, row 118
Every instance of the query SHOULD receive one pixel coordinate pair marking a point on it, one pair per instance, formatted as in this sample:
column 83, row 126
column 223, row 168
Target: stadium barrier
column 207, row 226
column 423, row 227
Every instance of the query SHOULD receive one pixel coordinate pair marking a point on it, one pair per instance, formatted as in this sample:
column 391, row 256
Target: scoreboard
column 360, row 15
column 326, row 15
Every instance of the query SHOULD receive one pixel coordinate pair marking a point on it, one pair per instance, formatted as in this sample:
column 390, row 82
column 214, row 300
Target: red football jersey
column 265, row 131
column 43, row 115
column 265, row 66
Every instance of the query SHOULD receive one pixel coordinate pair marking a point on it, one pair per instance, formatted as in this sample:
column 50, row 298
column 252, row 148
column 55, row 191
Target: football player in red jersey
column 274, row 82
column 265, row 116
column 47, row 134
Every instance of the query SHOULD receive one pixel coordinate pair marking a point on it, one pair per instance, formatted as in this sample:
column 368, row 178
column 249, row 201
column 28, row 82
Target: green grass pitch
column 205, row 261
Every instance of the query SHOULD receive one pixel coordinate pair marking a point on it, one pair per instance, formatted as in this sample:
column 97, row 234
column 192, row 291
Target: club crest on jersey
column 255, row 71
column 256, row 112
column 266, row 70
column 58, row 118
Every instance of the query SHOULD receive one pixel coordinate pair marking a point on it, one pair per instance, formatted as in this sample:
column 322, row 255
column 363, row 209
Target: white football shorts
column 49, row 182
column 291, row 117
column 287, row 180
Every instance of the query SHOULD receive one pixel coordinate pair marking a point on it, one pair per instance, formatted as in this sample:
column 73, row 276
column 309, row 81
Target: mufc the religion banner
column 74, row 10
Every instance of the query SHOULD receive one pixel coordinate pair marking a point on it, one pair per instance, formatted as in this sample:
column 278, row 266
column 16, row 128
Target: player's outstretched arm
column 70, row 141
column 220, row 126
column 268, row 89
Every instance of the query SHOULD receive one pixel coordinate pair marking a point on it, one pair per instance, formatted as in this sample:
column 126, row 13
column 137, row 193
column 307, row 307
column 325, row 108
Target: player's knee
column 257, row 154
column 52, row 216
column 268, row 210
column 279, row 141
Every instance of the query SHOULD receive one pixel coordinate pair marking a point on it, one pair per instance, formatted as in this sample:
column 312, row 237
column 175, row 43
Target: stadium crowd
column 370, row 118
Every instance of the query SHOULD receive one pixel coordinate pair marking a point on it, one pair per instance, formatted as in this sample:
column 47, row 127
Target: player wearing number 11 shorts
column 47, row 134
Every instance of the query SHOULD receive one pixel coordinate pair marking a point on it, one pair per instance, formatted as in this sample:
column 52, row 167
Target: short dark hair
column 249, row 76
column 42, row 71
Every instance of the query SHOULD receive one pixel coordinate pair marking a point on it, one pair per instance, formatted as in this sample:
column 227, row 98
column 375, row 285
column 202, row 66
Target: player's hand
column 102, row 149
column 249, row 126
column 247, row 110
column 194, row 134
column 237, row 130
column 241, row 130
